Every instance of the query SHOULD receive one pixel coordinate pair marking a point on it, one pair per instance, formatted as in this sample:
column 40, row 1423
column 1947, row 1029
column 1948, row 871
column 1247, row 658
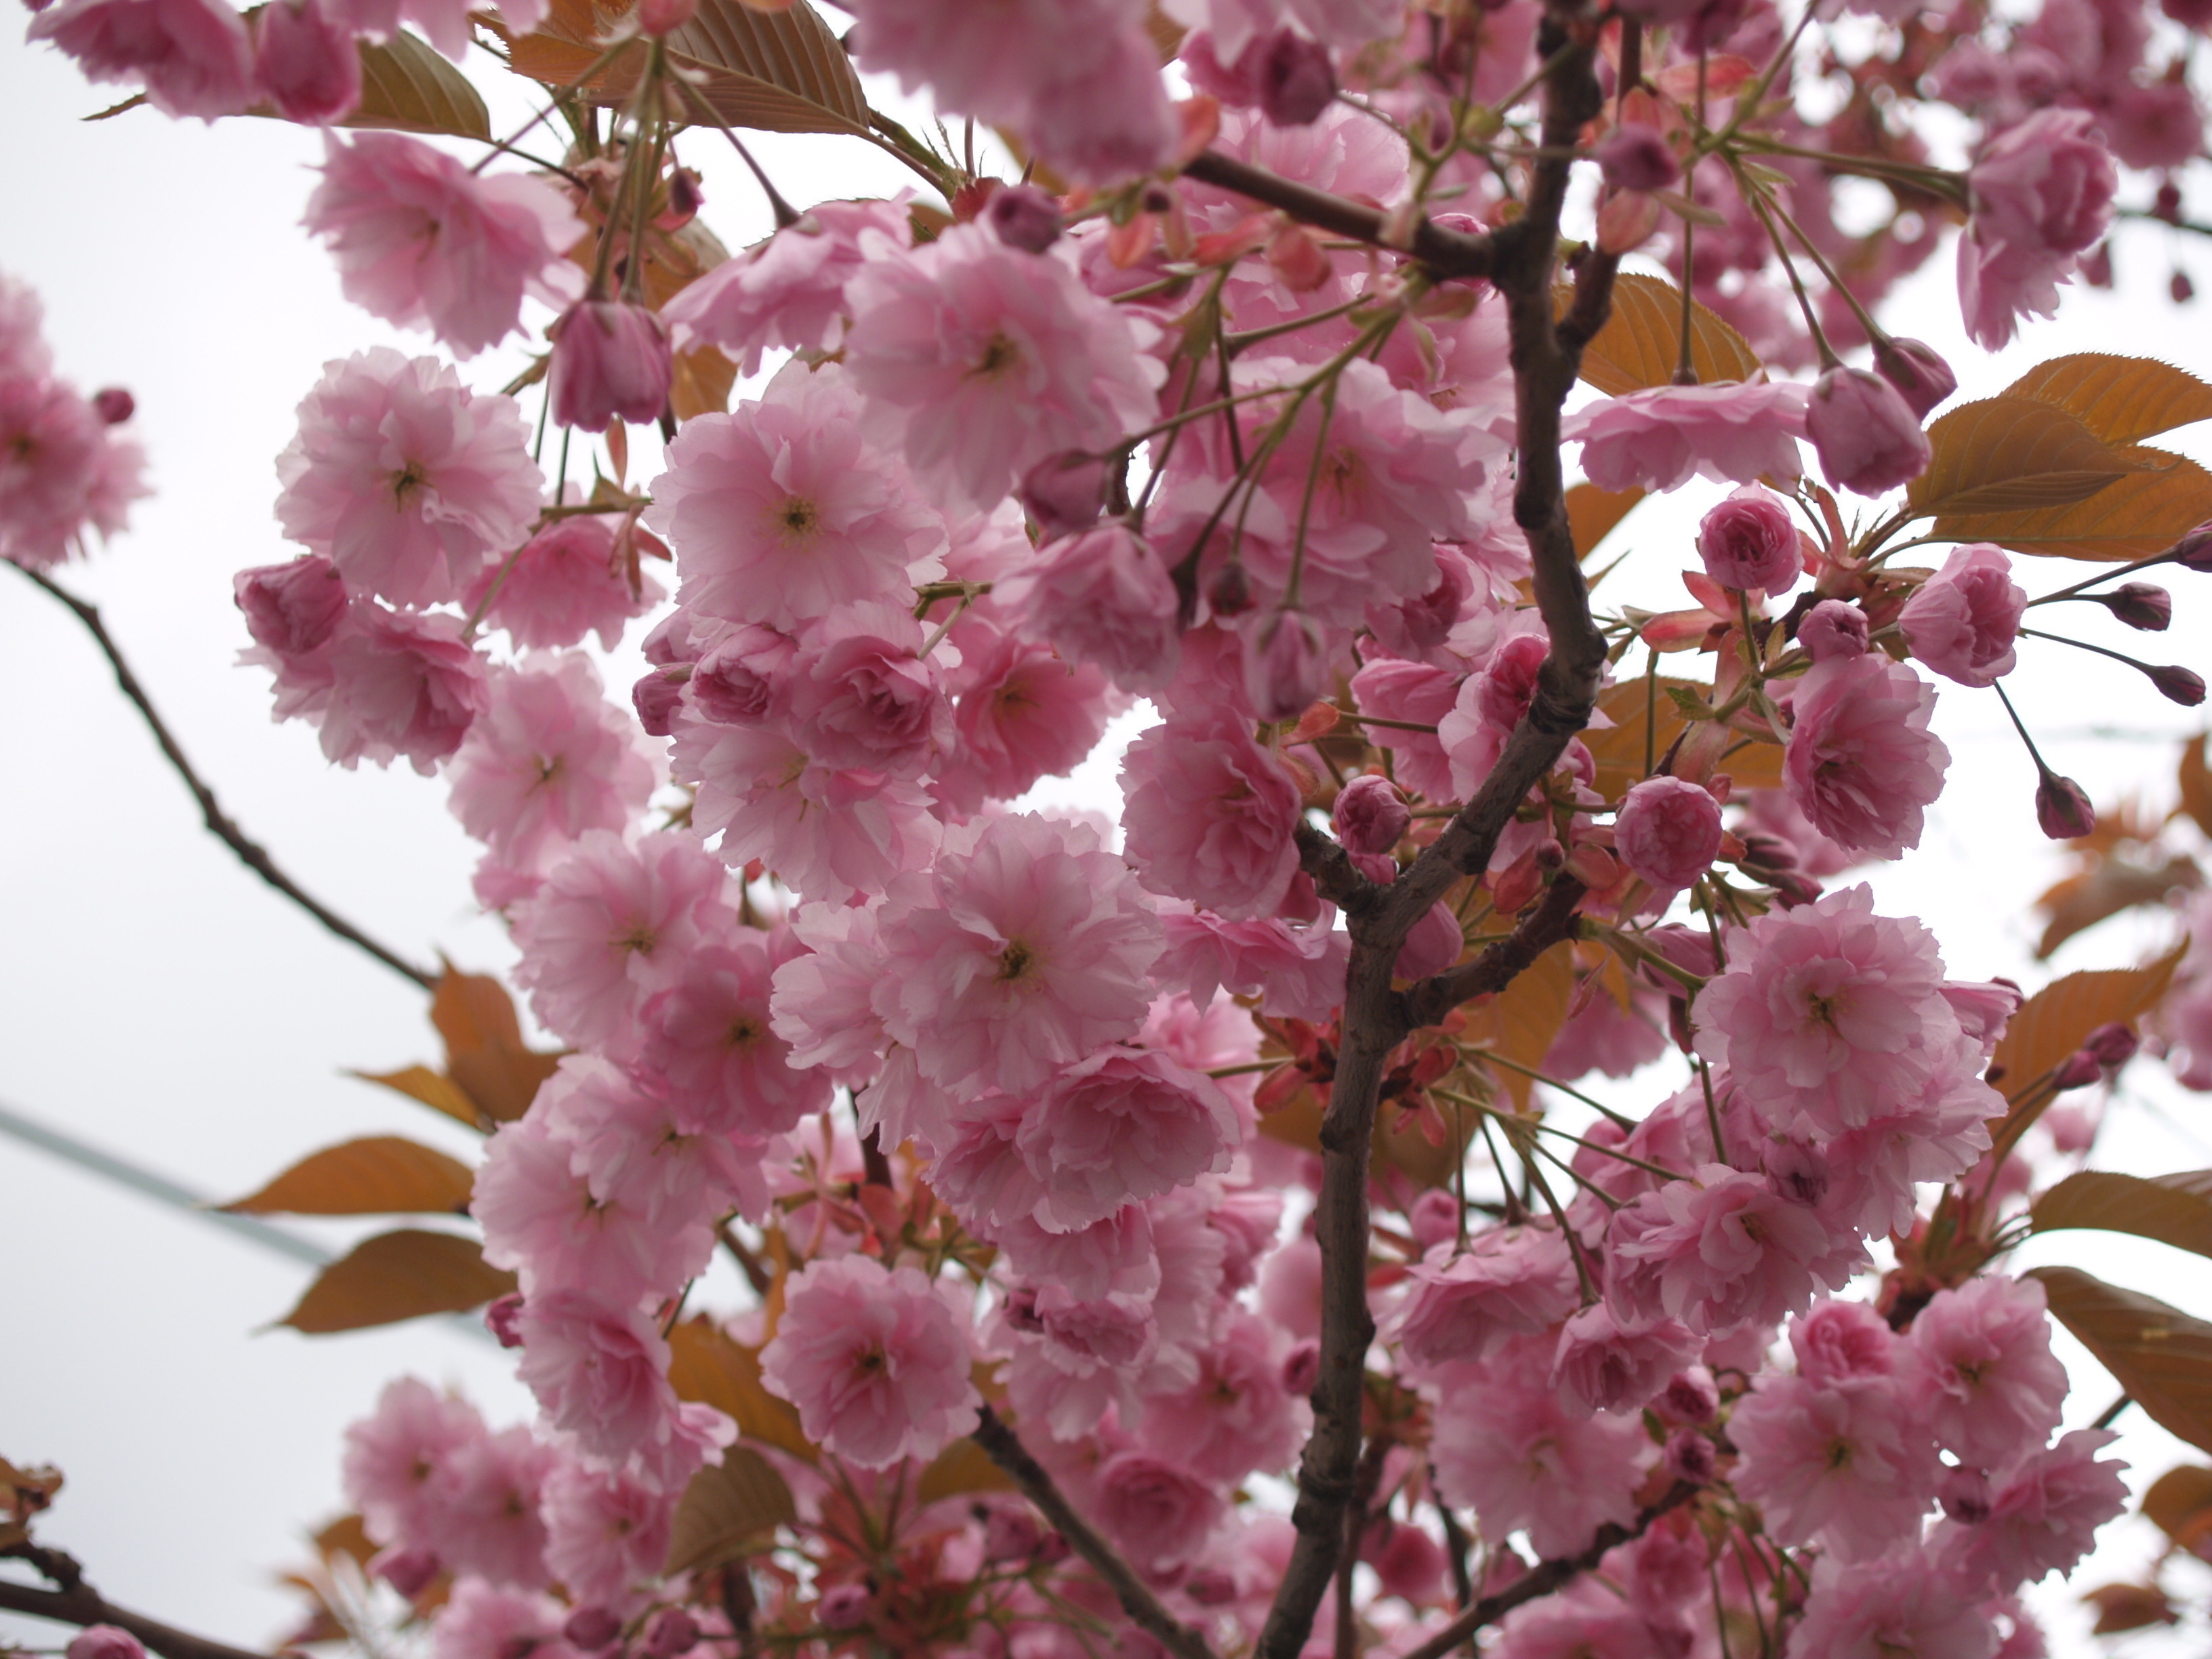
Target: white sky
column 156, row 999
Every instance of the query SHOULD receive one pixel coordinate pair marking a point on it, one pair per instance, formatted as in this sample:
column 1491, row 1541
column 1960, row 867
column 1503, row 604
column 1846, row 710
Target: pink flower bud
column 1690, row 1396
column 1669, row 832
column 2143, row 605
column 1432, row 945
column 1868, row 437
column 1749, row 541
column 1064, row 493
column 1922, row 377
column 2179, row 288
column 291, row 609
column 1010, row 1534
column 2178, row 685
column 611, row 362
column 659, row 18
column 105, row 1642
column 1230, row 592
column 2194, row 551
column 1433, row 1218
column 1965, row 1495
column 844, row 1607
column 1295, row 81
column 669, row 1632
column 1690, row 1457
column 1635, row 156
column 2062, row 809
column 2077, row 1071
column 685, row 199
column 1024, row 217
column 2112, row 1044
column 1370, row 815
column 656, row 697
column 305, row 59
column 1284, row 658
column 114, row 405
column 1211, row 1587
column 1301, row 1368
column 504, row 1319
column 1833, row 628
column 409, row 1571
column 589, row 1629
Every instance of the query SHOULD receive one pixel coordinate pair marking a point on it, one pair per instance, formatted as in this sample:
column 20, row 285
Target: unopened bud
column 1064, row 493
column 1296, row 80
column 114, row 405
column 611, row 362
column 2194, row 551
column 1370, row 815
column 1284, row 658
column 2178, row 685
column 1921, row 376
column 2096, row 266
column 291, row 609
column 2112, row 1044
column 844, row 1607
column 1550, row 855
column 1690, row 1396
column 1833, row 628
column 589, row 1629
column 2063, row 809
column 669, row 1632
column 504, row 1319
column 106, row 1642
column 409, row 1571
column 1690, row 1457
column 2140, row 604
column 685, row 199
column 1024, row 217
column 1301, row 1368
column 2166, row 204
column 2077, row 1071
column 1965, row 1495
column 1230, row 592
column 655, row 698
column 2180, row 288
column 1634, row 157
column 659, row 18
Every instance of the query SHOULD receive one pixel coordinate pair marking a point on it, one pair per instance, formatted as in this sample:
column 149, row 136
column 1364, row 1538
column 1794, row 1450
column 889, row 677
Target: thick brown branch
column 1335, row 877
column 1547, row 1576
column 1137, row 1600
column 1445, row 252
column 250, row 854
column 78, row 1604
column 1496, row 966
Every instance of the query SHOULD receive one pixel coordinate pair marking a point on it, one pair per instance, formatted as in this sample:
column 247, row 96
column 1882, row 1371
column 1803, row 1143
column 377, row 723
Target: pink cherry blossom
column 400, row 683
column 1298, row 971
column 304, row 57
column 61, row 470
column 1720, row 1253
column 1208, row 817
column 599, row 1371
column 1159, row 1511
column 876, row 1359
column 1901, row 1604
column 1860, row 763
column 1602, row 1365
column 861, row 697
column 1659, row 439
column 606, row 1533
column 568, row 581
column 1119, row 1127
column 1838, row 1340
column 1024, row 712
column 1980, row 1358
column 292, row 610
column 788, row 291
column 1237, row 1417
column 611, row 362
column 1843, row 1462
column 22, row 319
column 1103, row 598
column 1669, row 832
column 193, row 56
column 1514, row 1455
column 487, row 1621
column 488, row 1523
column 399, row 1460
column 421, row 241
column 1467, row 1304
column 978, row 361
column 1868, row 437
column 710, row 1036
column 1025, row 948
column 1963, row 620
column 1750, row 541
column 781, row 511
column 2042, row 194
column 2043, row 1519
column 404, row 480
column 1419, row 695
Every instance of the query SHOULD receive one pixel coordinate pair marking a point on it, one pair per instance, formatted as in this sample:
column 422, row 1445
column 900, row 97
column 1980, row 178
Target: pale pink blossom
column 1208, row 817
column 1120, row 1127
column 1604, row 1365
column 788, row 291
column 1237, row 1417
column 1749, row 540
column 1860, row 763
column 599, row 1371
column 1467, row 1304
column 400, row 1460
column 1838, row 1340
column 421, row 241
column 1719, row 1253
column 612, row 926
column 193, row 56
column 1980, row 1360
column 2042, row 1519
column 1962, row 621
column 1734, row 432
column 487, row 1523
column 404, row 479
column 569, row 579
column 606, row 1533
column 61, row 470
column 782, row 511
column 1519, row 1459
column 740, row 677
column 1298, row 971
column 980, row 1172
column 978, row 361
column 291, row 610
column 1025, row 948
column 861, row 696
column 1585, row 1621
column 876, row 1359
column 1902, row 1606
column 486, row 1621
column 1102, row 598
column 1419, row 695
column 1158, row 1510
column 304, row 57
column 400, row 683
column 2042, row 194
column 820, row 1001
column 1024, row 712
column 1668, row 831
column 710, row 1035
column 22, row 320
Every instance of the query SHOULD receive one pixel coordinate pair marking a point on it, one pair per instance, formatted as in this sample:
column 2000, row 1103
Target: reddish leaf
column 396, row 1276
column 382, row 1175
column 2161, row 1356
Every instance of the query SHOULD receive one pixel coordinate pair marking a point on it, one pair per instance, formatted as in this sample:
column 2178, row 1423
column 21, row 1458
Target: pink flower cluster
column 65, row 472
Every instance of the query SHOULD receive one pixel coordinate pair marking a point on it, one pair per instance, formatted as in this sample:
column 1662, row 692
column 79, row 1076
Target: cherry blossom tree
column 1194, row 1235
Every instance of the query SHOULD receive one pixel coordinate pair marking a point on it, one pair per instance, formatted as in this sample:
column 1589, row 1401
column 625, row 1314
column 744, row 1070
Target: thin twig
column 1447, row 252
column 76, row 1603
column 250, row 852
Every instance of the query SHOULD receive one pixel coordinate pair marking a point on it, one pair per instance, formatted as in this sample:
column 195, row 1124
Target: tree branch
column 1335, row 876
column 1496, row 966
column 1548, row 1576
column 77, row 1603
column 1448, row 253
column 250, row 852
column 1136, row 1597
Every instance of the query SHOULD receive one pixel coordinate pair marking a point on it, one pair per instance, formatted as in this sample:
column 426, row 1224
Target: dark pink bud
column 1868, row 438
column 589, row 1629
column 2178, row 685
column 1284, row 658
column 2112, row 1044
column 844, row 1607
column 1634, row 157
column 291, row 609
column 1230, row 592
column 1922, row 377
column 1690, row 1396
column 669, row 1632
column 1433, row 1218
column 1211, row 1587
column 1370, row 815
column 1010, row 1534
column 2194, row 551
column 656, row 697
column 658, row 17
column 2078, row 1071
column 2180, row 288
column 2140, row 604
column 685, row 199
column 1833, row 628
column 1301, row 1368
column 1750, row 541
column 409, row 1571
column 2096, row 266
column 2062, row 809
column 611, row 362
column 1965, row 1495
column 1296, row 80
column 305, row 59
column 2166, row 203
column 1065, row 494
column 1024, row 216
column 504, row 1319
column 105, row 1642
column 114, row 405
column 1690, row 1457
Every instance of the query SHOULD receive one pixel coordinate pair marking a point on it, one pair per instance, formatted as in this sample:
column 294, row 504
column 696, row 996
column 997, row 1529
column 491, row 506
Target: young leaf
column 2131, row 517
column 1521, row 1021
column 484, row 1050
column 727, row 1509
column 382, row 1175
column 2196, row 781
column 2122, row 399
column 708, row 1365
column 2053, row 1021
column 2110, row 885
column 1594, row 513
column 702, row 382
column 1619, row 749
column 433, row 1088
column 407, row 87
column 2180, row 1502
column 1642, row 341
column 2009, row 454
column 396, row 1276
column 962, row 1466
column 2160, row 1355
column 2175, row 1209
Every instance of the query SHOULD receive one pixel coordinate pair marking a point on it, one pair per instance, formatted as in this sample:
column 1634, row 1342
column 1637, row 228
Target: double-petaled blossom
column 193, row 57
column 1209, row 816
column 1962, row 621
column 1860, row 763
column 1662, row 438
column 2042, row 194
